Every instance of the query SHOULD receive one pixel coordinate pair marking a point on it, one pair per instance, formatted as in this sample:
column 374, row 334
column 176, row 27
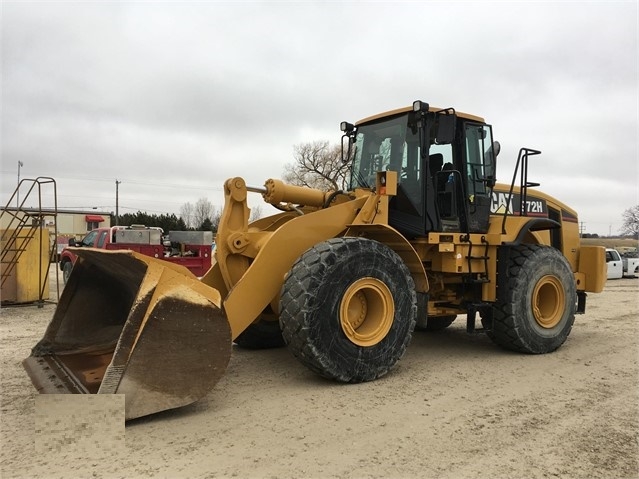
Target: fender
column 536, row 224
column 398, row 243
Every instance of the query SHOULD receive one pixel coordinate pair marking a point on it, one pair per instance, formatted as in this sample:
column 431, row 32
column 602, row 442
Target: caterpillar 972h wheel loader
column 423, row 234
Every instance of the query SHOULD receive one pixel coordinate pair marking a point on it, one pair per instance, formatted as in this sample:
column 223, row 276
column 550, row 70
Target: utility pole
column 117, row 201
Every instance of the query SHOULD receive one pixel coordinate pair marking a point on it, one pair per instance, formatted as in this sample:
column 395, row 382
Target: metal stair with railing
column 22, row 224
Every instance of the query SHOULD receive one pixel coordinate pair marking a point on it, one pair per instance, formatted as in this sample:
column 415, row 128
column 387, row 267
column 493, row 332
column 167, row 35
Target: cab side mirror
column 496, row 148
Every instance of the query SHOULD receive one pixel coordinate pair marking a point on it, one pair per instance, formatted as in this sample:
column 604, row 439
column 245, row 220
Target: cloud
column 188, row 94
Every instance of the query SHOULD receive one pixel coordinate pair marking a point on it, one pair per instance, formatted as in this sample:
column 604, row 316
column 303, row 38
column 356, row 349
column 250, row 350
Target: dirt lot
column 455, row 407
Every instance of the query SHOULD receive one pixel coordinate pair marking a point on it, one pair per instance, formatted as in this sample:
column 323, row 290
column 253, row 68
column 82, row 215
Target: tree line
column 201, row 216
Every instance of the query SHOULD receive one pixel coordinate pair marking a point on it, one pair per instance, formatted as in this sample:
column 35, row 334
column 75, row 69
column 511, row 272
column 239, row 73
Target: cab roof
column 398, row 111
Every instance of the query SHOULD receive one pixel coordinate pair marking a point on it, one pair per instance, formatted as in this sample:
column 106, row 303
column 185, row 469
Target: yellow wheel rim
column 366, row 311
column 548, row 301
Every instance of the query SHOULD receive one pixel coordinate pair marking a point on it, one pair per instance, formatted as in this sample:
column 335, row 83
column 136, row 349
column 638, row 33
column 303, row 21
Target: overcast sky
column 172, row 98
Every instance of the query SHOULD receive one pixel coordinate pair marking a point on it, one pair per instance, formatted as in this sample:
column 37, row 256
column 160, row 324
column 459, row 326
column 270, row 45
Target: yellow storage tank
column 24, row 283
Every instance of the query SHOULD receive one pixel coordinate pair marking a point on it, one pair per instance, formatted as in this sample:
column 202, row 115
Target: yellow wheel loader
column 342, row 278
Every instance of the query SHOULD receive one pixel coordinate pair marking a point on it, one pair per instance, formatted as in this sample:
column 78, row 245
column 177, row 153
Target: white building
column 70, row 223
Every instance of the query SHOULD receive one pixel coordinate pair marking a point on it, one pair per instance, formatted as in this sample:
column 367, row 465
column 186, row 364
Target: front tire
column 66, row 271
column 348, row 309
column 536, row 311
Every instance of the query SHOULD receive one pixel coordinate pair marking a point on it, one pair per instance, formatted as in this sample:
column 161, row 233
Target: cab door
column 479, row 174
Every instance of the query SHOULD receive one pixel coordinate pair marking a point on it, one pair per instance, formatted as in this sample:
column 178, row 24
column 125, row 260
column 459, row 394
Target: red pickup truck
column 187, row 248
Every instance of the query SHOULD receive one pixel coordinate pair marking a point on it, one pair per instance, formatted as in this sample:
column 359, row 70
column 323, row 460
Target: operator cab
column 445, row 163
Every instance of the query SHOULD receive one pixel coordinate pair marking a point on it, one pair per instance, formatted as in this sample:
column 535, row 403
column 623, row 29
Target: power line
column 140, row 182
column 145, row 183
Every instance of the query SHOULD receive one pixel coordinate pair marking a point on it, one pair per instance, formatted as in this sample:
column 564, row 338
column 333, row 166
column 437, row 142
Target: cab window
column 102, row 238
column 89, row 238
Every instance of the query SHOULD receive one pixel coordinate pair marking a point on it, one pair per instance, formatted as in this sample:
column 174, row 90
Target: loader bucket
column 134, row 325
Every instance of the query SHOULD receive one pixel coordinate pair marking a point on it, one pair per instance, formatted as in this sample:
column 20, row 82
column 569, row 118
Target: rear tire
column 435, row 323
column 263, row 334
column 537, row 310
column 348, row 309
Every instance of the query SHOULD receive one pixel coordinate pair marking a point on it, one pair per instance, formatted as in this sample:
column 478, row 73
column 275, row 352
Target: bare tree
column 318, row 165
column 215, row 220
column 202, row 211
column 256, row 213
column 631, row 222
column 186, row 213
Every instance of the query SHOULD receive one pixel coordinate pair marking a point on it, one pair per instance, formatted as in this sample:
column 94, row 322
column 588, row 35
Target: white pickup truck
column 619, row 266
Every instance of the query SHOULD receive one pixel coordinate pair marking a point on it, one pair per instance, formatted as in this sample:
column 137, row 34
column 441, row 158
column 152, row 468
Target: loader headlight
column 419, row 105
column 346, row 127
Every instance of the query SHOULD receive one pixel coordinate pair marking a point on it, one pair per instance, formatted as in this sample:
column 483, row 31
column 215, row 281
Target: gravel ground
column 456, row 406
